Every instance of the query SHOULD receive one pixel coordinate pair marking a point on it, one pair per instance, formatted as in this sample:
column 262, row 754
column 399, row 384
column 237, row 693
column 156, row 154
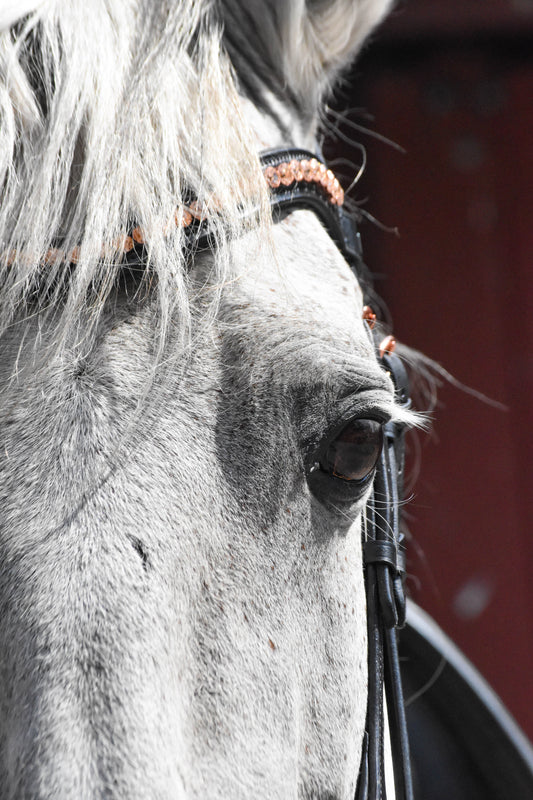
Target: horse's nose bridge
column 83, row 654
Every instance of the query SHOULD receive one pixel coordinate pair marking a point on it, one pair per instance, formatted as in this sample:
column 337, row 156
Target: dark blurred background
column 451, row 81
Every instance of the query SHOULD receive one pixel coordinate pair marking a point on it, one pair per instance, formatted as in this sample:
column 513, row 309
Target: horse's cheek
column 282, row 654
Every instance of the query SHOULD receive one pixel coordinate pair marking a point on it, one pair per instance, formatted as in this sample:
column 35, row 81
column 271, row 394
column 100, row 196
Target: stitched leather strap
column 384, row 565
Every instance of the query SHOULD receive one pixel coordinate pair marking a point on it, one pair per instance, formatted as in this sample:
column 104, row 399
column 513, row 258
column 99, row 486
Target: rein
column 382, row 540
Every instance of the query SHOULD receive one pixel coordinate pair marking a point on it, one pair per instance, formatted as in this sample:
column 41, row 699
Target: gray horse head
column 182, row 611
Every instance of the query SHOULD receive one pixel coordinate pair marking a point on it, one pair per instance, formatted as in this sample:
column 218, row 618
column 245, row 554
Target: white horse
column 182, row 613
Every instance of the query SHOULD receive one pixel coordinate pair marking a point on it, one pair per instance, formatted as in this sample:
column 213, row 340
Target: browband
column 296, row 179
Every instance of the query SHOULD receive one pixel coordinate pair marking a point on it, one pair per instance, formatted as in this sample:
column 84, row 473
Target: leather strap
column 384, row 572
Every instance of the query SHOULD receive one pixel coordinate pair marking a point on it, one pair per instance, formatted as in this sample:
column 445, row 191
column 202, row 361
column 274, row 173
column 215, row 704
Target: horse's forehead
column 306, row 278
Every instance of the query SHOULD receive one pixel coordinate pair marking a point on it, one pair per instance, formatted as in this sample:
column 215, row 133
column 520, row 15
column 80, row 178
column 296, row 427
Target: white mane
column 87, row 145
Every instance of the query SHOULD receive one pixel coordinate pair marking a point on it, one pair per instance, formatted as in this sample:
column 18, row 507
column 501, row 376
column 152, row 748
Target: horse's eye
column 341, row 468
column 354, row 452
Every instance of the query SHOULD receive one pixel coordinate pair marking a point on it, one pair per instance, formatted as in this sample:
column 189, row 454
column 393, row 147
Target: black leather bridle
column 382, row 539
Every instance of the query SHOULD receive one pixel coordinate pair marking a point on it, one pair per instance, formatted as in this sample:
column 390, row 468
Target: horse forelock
column 115, row 115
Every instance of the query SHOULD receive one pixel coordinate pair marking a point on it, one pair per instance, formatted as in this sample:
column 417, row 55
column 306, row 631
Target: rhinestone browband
column 291, row 174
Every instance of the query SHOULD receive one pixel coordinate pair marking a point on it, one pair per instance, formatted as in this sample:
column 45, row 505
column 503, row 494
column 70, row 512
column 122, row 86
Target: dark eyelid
column 363, row 406
column 354, row 411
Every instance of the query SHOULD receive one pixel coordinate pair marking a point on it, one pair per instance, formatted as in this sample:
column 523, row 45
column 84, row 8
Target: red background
column 452, row 82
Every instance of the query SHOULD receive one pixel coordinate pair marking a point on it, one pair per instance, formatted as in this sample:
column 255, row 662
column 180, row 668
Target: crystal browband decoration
column 293, row 173
column 305, row 171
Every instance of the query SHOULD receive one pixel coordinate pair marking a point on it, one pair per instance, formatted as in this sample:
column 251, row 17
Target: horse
column 181, row 580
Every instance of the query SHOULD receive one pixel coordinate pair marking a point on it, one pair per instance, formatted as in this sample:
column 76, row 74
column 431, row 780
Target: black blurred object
column 464, row 743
